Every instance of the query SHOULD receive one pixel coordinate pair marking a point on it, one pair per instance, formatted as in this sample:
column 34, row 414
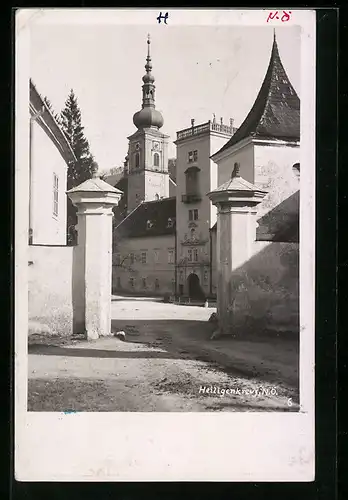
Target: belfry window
column 156, row 159
column 137, row 160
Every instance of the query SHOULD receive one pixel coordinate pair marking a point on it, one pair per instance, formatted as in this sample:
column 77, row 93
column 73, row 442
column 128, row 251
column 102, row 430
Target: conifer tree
column 50, row 107
column 84, row 166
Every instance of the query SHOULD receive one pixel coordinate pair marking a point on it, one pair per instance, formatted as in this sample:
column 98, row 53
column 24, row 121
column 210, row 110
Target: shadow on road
column 263, row 355
column 52, row 350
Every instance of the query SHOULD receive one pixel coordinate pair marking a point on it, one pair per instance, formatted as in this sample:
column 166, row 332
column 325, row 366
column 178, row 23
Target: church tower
column 148, row 177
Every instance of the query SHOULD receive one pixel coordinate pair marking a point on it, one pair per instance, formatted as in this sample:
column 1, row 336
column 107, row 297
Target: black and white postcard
column 165, row 245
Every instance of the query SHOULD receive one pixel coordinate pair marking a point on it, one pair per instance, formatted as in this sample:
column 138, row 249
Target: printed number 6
column 290, row 402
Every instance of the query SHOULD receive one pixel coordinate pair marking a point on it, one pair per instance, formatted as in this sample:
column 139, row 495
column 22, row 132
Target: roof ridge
column 130, row 213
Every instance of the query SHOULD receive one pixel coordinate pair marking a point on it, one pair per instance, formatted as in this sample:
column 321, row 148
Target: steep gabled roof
column 157, row 213
column 49, row 124
column 276, row 111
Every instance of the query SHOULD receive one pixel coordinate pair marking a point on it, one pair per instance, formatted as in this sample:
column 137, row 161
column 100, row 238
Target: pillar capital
column 94, row 195
column 236, row 193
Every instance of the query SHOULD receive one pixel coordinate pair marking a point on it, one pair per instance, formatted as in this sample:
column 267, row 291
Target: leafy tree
column 85, row 166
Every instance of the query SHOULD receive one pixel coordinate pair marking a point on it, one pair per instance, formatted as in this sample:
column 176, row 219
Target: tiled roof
column 151, row 218
column 276, row 111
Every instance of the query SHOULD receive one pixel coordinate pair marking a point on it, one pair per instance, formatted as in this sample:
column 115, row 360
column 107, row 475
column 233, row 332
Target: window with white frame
column 143, row 257
column 190, row 255
column 170, row 256
column 195, row 254
column 193, row 214
column 55, row 194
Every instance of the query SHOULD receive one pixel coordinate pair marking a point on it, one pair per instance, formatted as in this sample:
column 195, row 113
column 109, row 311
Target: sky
column 199, row 70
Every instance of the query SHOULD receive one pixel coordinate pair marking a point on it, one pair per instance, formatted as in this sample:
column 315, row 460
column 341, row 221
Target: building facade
column 264, row 150
column 50, row 154
column 196, row 176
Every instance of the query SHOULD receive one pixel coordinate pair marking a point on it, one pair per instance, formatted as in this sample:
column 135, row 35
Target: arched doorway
column 194, row 288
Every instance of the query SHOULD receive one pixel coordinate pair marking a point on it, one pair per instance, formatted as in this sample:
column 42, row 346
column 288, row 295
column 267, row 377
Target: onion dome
column 148, row 116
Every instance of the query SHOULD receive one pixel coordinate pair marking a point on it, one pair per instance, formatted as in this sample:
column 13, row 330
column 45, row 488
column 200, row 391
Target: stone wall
column 266, row 289
column 50, row 282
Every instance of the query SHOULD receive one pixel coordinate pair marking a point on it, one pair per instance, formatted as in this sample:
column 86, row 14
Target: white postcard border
column 165, row 446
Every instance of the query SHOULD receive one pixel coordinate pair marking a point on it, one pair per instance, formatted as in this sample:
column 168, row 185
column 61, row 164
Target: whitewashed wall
column 48, row 229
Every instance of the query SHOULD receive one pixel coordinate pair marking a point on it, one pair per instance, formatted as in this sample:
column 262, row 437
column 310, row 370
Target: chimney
column 231, row 123
column 192, row 122
column 221, row 120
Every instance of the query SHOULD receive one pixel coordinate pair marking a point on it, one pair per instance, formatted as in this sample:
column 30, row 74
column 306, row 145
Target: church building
column 165, row 241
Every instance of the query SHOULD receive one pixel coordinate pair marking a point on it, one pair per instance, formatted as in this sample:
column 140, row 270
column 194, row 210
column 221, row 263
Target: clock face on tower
column 155, row 145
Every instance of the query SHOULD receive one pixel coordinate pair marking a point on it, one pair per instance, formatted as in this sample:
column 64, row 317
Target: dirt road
column 166, row 363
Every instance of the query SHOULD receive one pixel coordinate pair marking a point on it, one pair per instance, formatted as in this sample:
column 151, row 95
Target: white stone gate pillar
column 236, row 201
column 92, row 263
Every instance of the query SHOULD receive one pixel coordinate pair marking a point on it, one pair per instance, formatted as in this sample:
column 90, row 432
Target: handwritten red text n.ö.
column 276, row 15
